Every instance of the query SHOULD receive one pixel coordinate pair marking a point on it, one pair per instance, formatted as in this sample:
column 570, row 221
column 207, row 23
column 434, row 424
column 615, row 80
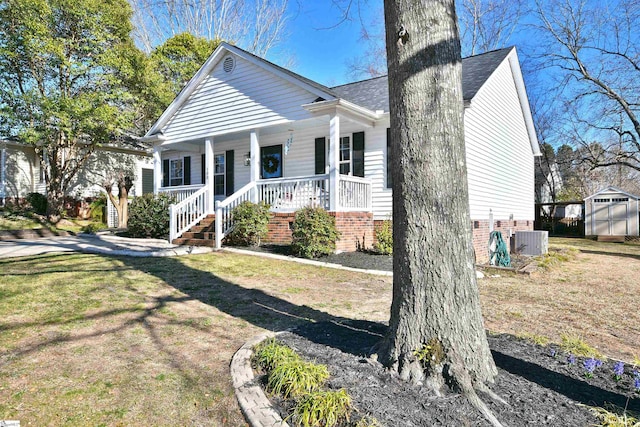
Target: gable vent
column 229, row 64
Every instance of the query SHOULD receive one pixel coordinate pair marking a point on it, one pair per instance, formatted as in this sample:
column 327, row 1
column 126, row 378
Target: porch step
column 201, row 234
column 207, row 235
column 194, row 242
column 613, row 239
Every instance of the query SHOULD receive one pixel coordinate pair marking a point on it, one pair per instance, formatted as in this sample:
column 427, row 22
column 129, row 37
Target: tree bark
column 435, row 295
column 121, row 204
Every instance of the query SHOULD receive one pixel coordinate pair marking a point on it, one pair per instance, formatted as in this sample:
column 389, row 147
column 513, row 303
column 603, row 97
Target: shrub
column 314, row 233
column 384, row 238
column 323, row 409
column 93, row 227
column 149, row 216
column 97, row 208
column 250, row 223
column 38, row 203
column 296, row 377
column 269, row 354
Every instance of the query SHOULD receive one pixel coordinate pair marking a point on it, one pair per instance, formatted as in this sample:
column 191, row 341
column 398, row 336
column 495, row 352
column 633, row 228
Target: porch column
column 3, row 178
column 334, row 161
column 157, row 169
column 209, row 171
column 255, row 161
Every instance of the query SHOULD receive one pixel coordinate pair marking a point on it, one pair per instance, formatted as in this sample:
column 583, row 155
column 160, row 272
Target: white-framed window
column 176, row 174
column 345, row 155
column 219, row 175
column 41, row 177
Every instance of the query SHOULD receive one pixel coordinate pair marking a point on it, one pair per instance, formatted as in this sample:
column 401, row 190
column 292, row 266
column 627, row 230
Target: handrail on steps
column 224, row 222
column 187, row 213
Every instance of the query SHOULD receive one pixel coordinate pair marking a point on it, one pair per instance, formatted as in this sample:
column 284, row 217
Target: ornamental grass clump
column 323, row 409
column 270, row 354
column 575, row 345
column 296, row 377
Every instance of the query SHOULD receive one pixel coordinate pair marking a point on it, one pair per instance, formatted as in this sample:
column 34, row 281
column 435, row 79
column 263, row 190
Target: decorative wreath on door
column 271, row 163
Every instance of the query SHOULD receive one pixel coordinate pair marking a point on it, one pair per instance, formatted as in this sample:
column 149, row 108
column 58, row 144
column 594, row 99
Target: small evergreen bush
column 97, row 208
column 384, row 238
column 38, row 203
column 250, row 223
column 314, row 233
column 149, row 216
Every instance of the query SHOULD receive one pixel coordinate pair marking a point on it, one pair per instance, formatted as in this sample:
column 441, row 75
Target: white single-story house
column 21, row 172
column 611, row 212
column 246, row 129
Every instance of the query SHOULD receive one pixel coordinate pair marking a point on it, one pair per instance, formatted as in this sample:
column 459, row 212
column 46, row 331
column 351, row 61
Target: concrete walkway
column 97, row 244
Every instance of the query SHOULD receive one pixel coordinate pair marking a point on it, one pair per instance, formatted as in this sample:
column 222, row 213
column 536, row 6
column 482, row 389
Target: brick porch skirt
column 357, row 231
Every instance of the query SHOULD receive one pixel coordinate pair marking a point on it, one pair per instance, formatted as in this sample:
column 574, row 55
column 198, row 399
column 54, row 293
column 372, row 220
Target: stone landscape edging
column 255, row 406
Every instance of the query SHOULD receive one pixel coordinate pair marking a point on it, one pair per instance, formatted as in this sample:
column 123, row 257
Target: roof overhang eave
column 344, row 108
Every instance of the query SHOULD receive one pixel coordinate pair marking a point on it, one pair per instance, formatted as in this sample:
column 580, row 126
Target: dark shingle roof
column 374, row 93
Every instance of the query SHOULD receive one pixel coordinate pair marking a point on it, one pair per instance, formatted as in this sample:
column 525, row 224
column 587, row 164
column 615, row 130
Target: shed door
column 619, row 214
column 601, row 216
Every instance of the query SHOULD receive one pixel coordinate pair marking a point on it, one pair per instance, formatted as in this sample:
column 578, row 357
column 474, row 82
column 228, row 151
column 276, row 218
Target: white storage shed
column 611, row 212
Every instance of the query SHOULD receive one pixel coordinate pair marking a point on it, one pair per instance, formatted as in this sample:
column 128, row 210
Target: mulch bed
column 541, row 390
column 364, row 259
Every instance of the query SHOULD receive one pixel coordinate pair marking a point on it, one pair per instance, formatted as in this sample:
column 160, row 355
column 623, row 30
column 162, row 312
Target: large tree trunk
column 435, row 295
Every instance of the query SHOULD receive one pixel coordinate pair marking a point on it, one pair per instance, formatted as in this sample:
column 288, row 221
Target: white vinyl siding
column 249, row 97
column 500, row 162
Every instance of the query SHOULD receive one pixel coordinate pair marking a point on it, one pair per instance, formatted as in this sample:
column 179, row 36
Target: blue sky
column 319, row 45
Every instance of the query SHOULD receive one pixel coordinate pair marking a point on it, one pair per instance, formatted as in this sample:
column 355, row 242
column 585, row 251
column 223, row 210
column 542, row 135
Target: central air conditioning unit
column 532, row 242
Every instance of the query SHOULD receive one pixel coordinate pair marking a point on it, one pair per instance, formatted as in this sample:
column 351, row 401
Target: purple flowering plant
column 618, row 371
column 571, row 359
column 590, row 365
column 636, row 380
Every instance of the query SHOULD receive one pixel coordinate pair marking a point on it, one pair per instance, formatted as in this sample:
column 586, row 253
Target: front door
column 271, row 162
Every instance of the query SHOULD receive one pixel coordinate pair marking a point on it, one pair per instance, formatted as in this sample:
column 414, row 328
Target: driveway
column 89, row 243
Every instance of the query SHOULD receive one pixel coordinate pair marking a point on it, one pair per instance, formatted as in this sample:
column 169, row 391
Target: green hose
column 498, row 253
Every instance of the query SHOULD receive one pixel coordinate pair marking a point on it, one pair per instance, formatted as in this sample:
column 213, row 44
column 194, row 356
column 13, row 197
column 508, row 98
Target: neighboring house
column 246, row 129
column 21, row 173
column 611, row 212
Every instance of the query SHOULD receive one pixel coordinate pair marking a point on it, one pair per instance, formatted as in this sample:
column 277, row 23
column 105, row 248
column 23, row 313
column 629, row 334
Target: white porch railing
column 180, row 193
column 188, row 212
column 283, row 195
column 291, row 194
column 354, row 193
column 224, row 220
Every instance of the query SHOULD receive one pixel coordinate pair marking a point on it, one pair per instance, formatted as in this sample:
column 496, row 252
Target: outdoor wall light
column 247, row 159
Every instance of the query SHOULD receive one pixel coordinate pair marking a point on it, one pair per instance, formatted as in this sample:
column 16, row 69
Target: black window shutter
column 389, row 176
column 358, row 154
column 186, row 176
column 202, row 168
column 321, row 155
column 228, row 159
column 165, row 173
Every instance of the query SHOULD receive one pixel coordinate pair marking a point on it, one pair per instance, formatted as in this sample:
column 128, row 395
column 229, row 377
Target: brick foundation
column 356, row 229
column 481, row 232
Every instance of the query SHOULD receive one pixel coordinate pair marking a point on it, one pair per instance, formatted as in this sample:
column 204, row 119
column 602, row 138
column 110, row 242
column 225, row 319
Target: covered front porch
column 265, row 165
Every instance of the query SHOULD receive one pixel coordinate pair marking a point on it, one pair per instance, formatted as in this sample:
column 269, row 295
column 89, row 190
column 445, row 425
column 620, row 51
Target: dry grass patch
column 592, row 295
